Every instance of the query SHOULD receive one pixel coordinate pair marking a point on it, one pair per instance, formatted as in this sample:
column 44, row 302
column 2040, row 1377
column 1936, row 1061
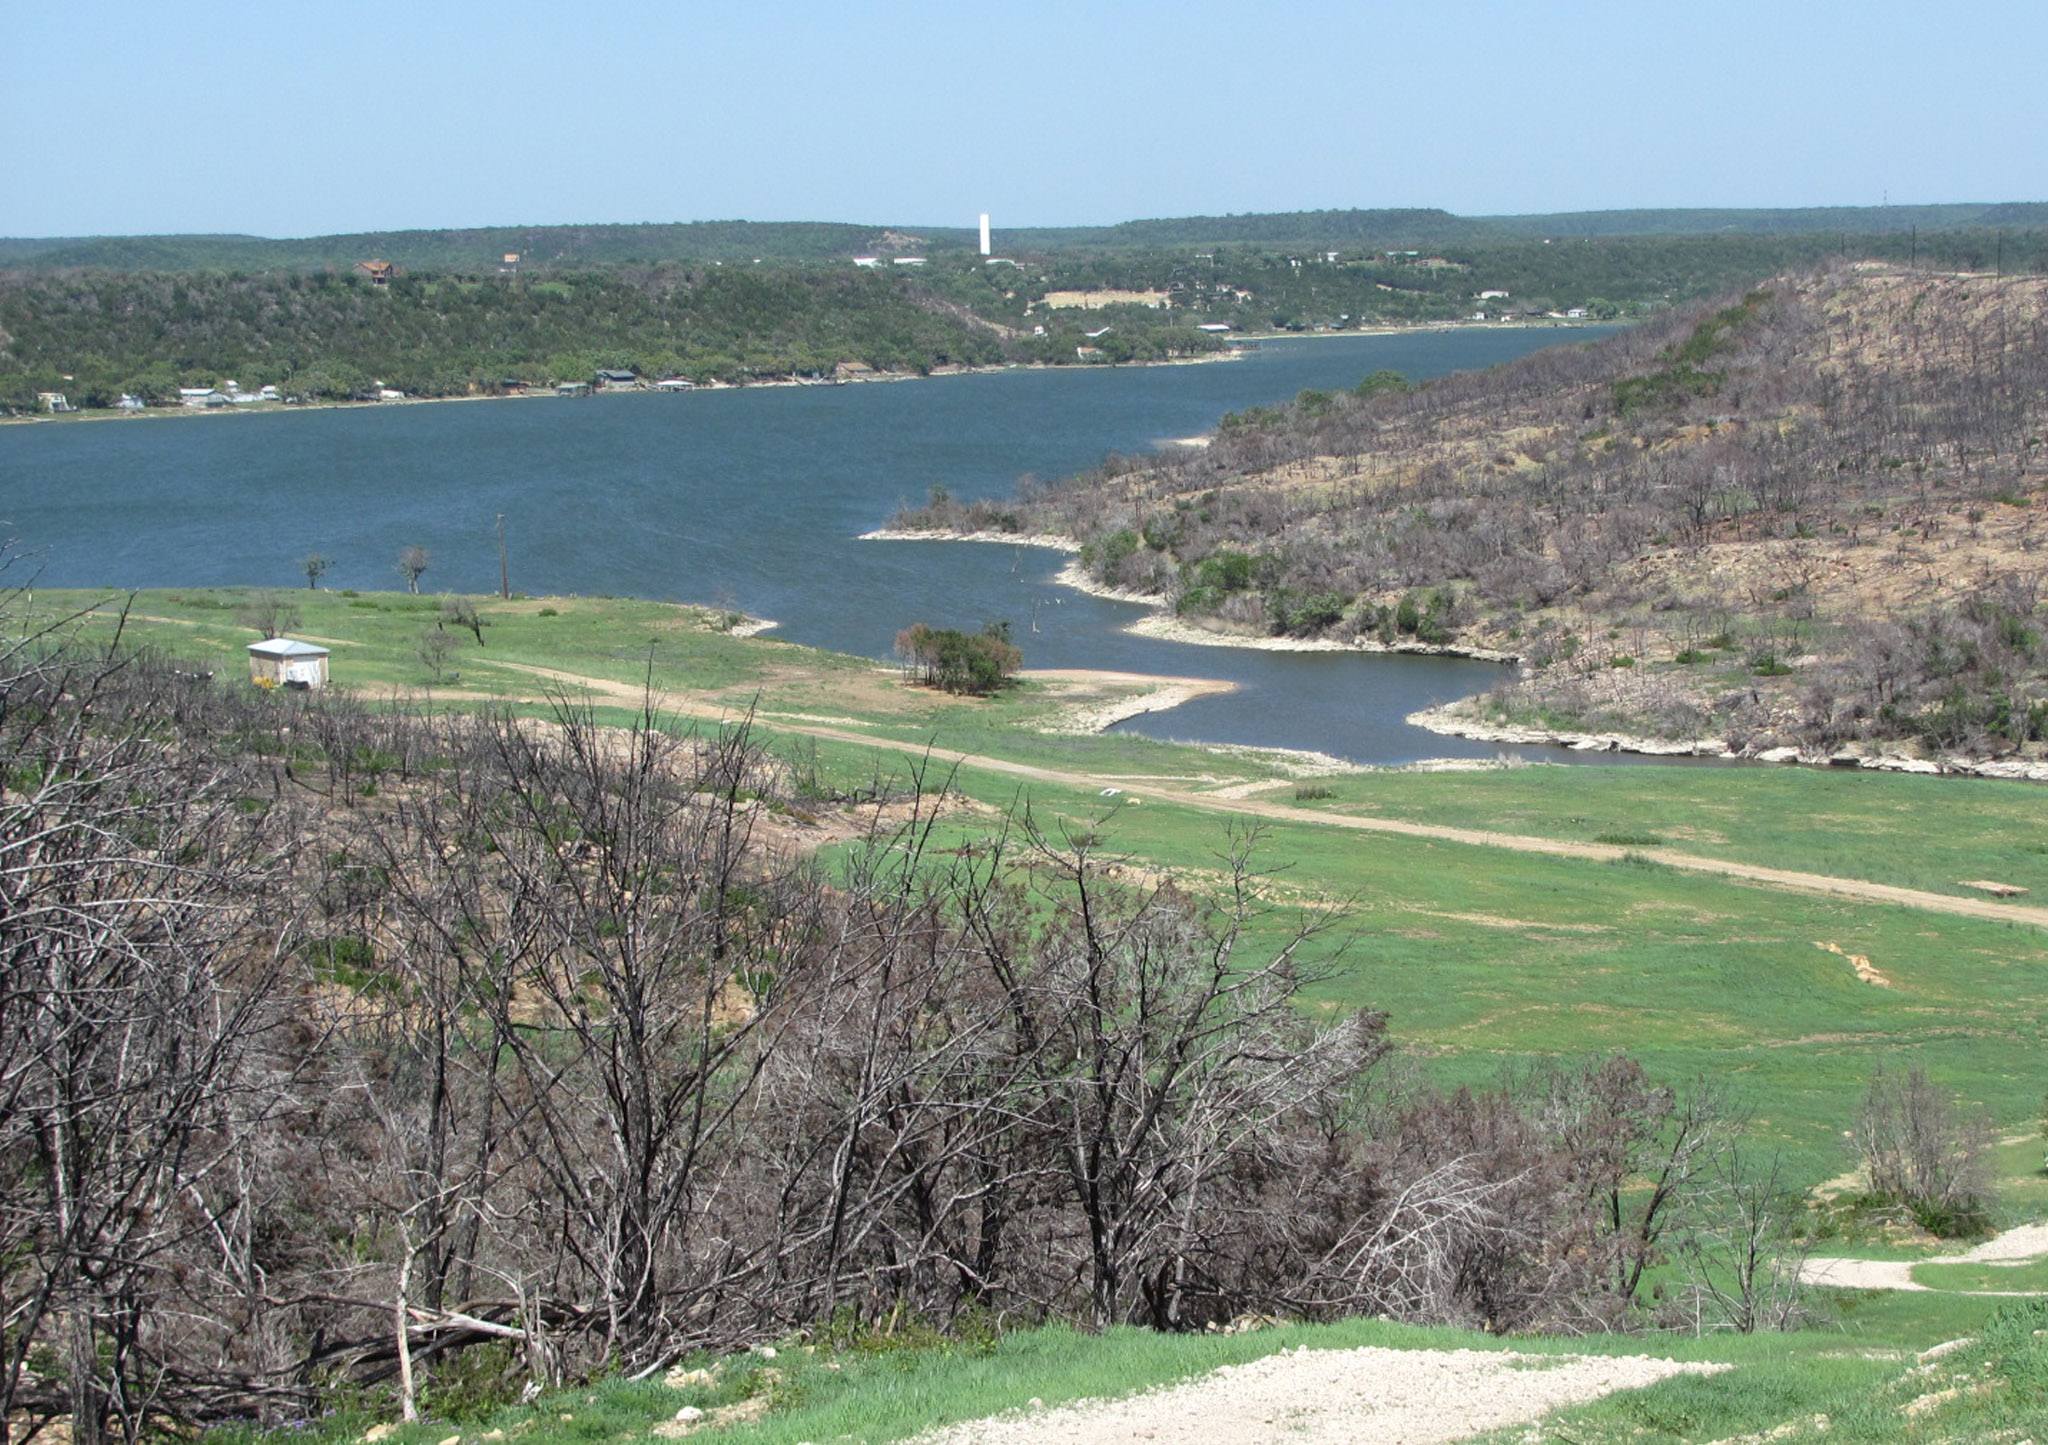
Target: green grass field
column 1917, row 832
column 1482, row 956
column 2011, row 1279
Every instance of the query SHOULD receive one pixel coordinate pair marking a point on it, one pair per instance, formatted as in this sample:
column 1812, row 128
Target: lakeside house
column 379, row 272
column 675, row 383
column 1090, row 353
column 572, row 388
column 53, row 401
column 1214, row 327
column 617, row 381
column 287, row 662
column 130, row 402
column 201, row 396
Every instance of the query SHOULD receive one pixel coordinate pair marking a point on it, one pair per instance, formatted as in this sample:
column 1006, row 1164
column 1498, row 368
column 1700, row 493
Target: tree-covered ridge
column 1817, row 505
column 96, row 335
column 545, row 247
column 591, row 245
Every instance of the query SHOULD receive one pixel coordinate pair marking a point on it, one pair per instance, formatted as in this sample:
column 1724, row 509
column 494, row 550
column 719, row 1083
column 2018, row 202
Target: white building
column 287, row 662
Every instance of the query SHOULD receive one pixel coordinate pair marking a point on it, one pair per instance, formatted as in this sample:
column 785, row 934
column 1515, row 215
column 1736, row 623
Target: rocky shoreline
column 1050, row 540
column 1456, row 720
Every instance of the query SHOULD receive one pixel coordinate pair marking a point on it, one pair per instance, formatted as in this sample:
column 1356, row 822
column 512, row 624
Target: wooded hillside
column 1805, row 515
column 94, row 335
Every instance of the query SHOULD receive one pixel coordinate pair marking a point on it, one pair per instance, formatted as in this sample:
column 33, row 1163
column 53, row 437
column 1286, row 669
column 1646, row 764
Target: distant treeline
column 578, row 246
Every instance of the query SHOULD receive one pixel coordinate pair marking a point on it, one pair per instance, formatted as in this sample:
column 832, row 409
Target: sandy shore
column 1159, row 694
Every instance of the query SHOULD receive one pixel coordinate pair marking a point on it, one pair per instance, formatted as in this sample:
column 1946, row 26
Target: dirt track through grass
column 1860, row 890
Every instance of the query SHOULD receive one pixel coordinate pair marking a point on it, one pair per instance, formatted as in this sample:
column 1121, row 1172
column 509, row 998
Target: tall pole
column 504, row 570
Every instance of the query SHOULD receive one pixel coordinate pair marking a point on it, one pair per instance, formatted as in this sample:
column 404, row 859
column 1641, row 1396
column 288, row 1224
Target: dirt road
column 1786, row 879
column 2014, row 1247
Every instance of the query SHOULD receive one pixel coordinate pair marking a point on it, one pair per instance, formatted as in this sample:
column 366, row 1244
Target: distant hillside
column 1814, row 515
column 1808, row 220
column 94, row 335
column 595, row 245
column 462, row 250
column 1307, row 229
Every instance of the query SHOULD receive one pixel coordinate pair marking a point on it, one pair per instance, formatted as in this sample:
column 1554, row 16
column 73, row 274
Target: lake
column 750, row 497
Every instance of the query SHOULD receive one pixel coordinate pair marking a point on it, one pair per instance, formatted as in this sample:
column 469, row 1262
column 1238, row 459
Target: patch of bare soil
column 1333, row 1397
column 1866, row 971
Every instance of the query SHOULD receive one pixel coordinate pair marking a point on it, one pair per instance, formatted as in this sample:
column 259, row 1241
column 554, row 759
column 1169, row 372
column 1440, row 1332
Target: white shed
column 286, row 662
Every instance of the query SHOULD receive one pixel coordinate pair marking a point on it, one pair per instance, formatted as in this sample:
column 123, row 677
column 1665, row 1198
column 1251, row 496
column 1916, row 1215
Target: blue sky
column 290, row 119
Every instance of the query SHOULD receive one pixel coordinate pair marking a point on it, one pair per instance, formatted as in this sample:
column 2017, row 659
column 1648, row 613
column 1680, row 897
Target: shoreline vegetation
column 539, row 393
column 260, row 408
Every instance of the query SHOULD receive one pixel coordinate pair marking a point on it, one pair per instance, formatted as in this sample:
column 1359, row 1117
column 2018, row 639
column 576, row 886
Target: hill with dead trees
column 348, row 1050
column 1806, row 517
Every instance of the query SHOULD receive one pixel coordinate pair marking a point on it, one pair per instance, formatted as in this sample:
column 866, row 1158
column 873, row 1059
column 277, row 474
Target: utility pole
column 504, row 570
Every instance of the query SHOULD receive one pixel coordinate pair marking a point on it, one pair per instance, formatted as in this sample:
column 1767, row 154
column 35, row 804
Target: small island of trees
column 975, row 664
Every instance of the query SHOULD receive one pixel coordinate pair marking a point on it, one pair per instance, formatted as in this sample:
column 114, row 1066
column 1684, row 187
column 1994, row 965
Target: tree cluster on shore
column 1816, row 506
column 337, row 1042
column 974, row 663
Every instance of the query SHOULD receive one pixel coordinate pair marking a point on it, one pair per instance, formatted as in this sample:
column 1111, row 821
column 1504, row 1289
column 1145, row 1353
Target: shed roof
column 286, row 647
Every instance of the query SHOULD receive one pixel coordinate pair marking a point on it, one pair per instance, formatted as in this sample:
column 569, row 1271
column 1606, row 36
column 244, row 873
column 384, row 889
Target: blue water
column 752, row 498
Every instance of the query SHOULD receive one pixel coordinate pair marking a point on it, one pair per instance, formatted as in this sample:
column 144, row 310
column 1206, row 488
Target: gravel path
column 1332, row 1397
column 2015, row 1246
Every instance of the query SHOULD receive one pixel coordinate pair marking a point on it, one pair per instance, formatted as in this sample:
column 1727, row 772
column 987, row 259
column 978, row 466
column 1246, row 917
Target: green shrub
column 1624, row 838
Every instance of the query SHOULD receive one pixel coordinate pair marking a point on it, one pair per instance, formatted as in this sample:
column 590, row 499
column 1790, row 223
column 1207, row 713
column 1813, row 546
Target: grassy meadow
column 1482, row 956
